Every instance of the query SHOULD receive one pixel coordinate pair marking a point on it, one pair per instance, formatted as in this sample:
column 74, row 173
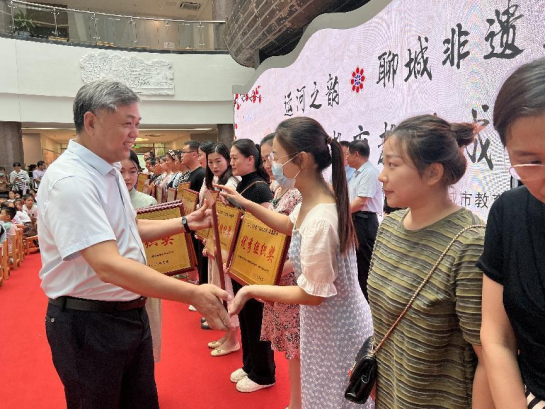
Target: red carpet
column 187, row 376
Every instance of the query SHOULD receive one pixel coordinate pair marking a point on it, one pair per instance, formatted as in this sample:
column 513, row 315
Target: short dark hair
column 152, row 153
column 360, row 146
column 15, row 164
column 40, row 163
column 11, row 211
column 344, row 143
column 521, row 95
column 28, row 196
column 2, row 168
column 194, row 145
column 268, row 139
column 207, row 146
column 101, row 95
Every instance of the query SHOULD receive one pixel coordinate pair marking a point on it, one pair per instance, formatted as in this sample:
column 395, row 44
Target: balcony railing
column 22, row 19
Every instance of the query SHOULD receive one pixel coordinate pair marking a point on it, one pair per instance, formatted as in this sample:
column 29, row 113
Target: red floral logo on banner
column 358, row 79
column 254, row 96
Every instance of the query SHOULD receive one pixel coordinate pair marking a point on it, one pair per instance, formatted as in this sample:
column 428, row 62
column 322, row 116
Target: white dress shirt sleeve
column 367, row 184
column 77, row 220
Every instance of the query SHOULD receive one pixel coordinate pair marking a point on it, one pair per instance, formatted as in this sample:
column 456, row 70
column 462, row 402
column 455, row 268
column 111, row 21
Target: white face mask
column 280, row 178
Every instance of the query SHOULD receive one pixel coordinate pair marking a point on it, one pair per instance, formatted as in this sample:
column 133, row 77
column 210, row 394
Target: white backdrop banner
column 413, row 57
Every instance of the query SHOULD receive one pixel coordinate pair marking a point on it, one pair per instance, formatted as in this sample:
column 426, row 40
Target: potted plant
column 23, row 24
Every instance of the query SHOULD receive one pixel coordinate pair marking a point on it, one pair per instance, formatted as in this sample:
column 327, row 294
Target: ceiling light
column 141, row 139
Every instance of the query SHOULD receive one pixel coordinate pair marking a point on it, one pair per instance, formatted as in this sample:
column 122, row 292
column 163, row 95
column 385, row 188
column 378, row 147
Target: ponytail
column 346, row 230
column 303, row 134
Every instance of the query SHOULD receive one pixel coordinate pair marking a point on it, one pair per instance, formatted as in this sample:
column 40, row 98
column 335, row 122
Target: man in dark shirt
column 189, row 158
column 197, row 174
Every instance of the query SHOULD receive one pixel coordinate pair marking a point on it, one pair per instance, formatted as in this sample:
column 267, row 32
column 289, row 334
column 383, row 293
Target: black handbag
column 363, row 374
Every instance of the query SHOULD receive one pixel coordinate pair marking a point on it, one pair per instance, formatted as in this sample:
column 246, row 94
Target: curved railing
column 22, row 19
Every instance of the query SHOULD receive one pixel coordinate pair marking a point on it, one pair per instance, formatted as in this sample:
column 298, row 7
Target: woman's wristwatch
column 185, row 224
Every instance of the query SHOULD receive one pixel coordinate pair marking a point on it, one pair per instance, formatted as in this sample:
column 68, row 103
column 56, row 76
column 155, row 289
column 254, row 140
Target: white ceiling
column 147, row 8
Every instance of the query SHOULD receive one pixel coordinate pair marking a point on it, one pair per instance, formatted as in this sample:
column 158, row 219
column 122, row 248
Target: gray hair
column 101, row 95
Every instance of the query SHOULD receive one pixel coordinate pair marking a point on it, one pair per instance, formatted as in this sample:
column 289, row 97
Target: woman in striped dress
column 432, row 359
column 513, row 257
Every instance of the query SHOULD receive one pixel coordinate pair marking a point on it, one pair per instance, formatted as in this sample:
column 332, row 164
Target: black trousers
column 104, row 360
column 366, row 225
column 202, row 262
column 258, row 359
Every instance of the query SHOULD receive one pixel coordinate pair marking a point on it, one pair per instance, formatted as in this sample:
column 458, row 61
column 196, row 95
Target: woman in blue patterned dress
column 334, row 317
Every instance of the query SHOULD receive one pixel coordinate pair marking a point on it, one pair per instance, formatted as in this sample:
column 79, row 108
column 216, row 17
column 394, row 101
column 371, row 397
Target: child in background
column 7, row 214
column 30, row 208
column 29, row 227
column 11, row 196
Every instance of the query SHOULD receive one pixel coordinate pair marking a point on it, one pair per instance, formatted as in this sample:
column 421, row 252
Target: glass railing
column 22, row 19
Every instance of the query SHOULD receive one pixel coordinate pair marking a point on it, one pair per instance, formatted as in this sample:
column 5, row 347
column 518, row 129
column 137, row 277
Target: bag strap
column 423, row 284
column 252, row 184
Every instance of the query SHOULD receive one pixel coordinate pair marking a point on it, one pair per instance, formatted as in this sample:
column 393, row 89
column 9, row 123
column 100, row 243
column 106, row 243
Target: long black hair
column 249, row 148
column 222, row 149
column 303, row 134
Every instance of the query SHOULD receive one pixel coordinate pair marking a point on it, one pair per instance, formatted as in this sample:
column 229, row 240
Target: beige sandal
column 221, row 352
column 214, row 344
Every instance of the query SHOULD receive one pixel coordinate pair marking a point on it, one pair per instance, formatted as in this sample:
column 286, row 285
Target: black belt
column 364, row 215
column 81, row 304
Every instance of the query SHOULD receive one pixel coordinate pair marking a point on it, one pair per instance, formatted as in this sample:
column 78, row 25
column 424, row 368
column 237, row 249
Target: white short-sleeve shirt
column 83, row 202
column 319, row 247
column 365, row 183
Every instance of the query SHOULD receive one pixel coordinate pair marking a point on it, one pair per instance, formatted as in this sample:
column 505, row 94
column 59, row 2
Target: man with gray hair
column 94, row 266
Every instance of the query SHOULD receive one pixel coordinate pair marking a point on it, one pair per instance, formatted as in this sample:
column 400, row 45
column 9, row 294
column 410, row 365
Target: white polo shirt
column 84, row 201
column 365, row 183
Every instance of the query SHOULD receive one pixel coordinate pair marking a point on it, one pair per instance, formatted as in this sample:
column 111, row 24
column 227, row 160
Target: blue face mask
column 283, row 181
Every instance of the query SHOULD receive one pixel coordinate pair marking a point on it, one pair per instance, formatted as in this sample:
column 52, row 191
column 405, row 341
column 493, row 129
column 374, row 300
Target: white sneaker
column 192, row 308
column 247, row 385
column 238, row 375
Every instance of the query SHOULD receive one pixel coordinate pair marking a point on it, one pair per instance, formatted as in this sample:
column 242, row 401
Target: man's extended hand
column 208, row 303
column 200, row 218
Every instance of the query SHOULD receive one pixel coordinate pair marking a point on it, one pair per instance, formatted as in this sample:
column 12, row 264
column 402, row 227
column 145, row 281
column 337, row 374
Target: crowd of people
column 18, row 209
column 471, row 296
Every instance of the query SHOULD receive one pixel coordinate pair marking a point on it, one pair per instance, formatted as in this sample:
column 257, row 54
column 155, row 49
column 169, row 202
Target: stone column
column 221, row 10
column 226, row 133
column 11, row 140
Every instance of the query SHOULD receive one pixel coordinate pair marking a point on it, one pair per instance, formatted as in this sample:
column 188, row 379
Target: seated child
column 6, row 216
column 29, row 228
column 30, row 208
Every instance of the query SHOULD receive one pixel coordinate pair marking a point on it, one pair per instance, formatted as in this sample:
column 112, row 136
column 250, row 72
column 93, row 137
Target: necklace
column 276, row 201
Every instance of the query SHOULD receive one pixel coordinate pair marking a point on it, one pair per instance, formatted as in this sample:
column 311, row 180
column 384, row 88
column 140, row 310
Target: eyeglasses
column 527, row 172
column 183, row 152
column 271, row 157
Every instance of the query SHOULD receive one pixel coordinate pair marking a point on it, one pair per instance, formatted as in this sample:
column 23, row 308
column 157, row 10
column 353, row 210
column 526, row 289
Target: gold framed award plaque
column 203, row 234
column 141, row 182
column 170, row 255
column 229, row 220
column 159, row 194
column 189, row 200
column 171, row 194
column 259, row 253
column 181, row 187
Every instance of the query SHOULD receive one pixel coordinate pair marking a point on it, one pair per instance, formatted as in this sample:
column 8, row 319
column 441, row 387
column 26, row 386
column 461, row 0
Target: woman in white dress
column 335, row 318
